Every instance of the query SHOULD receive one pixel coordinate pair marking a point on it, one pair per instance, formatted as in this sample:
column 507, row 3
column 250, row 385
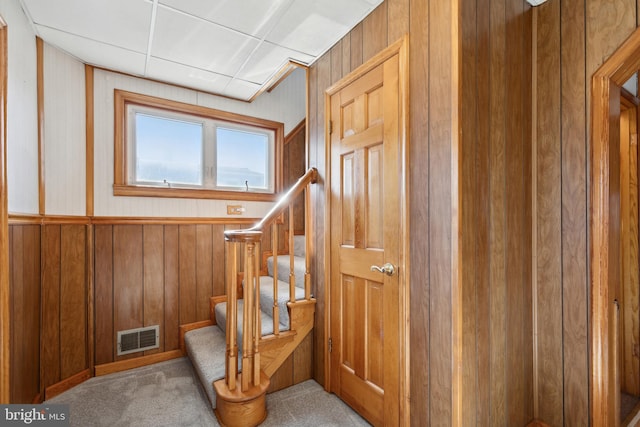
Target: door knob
column 387, row 269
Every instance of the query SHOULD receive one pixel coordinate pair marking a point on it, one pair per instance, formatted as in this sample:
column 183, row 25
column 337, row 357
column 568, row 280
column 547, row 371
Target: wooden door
column 366, row 230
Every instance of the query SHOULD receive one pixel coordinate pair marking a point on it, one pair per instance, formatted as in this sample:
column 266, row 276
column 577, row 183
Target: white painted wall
column 285, row 104
column 64, row 133
column 22, row 117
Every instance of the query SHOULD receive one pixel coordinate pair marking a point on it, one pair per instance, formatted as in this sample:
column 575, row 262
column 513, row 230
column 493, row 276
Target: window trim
column 121, row 186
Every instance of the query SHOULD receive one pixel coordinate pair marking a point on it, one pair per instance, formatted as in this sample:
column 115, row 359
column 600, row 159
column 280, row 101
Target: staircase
column 264, row 316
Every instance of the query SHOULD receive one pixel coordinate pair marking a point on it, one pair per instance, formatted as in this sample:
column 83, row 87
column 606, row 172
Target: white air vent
column 139, row 339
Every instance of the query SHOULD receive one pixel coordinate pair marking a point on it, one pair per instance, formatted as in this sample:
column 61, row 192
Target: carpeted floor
column 169, row 394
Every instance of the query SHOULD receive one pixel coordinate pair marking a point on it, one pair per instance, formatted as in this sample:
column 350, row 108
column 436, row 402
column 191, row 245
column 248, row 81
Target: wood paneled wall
column 154, row 275
column 486, row 168
column 66, row 344
column 24, row 279
column 573, row 38
column 496, row 210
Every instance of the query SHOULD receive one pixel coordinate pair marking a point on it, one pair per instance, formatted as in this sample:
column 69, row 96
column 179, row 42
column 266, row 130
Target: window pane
column 242, row 157
column 168, row 149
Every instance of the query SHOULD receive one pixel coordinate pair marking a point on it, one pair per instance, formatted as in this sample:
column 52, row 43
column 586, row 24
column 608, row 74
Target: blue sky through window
column 168, row 149
column 242, row 157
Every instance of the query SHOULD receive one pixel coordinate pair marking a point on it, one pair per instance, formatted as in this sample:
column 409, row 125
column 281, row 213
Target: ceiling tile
column 95, row 53
column 122, row 23
column 241, row 89
column 194, row 42
column 253, row 17
column 266, row 61
column 196, row 78
column 312, row 26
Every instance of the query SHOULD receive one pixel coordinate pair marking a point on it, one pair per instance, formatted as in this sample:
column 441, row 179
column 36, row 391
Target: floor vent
column 139, row 339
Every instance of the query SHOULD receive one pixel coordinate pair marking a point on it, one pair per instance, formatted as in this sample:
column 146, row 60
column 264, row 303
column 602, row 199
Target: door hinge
column 330, row 127
column 330, row 345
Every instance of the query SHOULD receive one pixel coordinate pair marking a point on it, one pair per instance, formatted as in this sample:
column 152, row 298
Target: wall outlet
column 235, row 209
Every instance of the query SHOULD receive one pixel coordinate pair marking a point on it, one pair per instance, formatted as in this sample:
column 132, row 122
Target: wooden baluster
column 292, row 276
column 231, row 361
column 257, row 331
column 248, row 319
column 307, row 242
column 276, row 309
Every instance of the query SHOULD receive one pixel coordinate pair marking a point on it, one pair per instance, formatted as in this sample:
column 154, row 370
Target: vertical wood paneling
column 218, row 260
column 356, row 49
column 204, row 270
column 50, row 305
column 397, row 19
column 171, row 287
column 483, row 214
column 73, row 302
column 419, row 201
column 519, row 333
column 440, row 212
column 103, row 282
column 323, row 82
column 574, row 214
column 153, row 278
column 187, row 273
column 499, row 376
column 127, row 279
column 374, row 32
column 548, row 201
column 469, row 122
column 24, row 267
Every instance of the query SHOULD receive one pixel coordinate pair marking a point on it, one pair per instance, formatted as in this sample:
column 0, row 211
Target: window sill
column 190, row 193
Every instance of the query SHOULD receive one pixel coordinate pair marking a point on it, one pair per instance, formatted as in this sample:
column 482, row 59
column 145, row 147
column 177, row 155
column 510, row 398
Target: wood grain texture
column 323, row 82
column 374, row 32
column 127, row 280
column 419, row 201
column 548, row 310
column 575, row 128
column 103, row 282
column 25, row 313
column 50, row 349
column 497, row 233
column 482, row 203
column 171, row 287
column 469, row 209
column 204, row 270
column 73, row 301
column 440, row 212
column 187, row 273
column 153, row 280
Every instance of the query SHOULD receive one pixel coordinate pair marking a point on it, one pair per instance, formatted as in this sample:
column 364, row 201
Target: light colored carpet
column 169, row 394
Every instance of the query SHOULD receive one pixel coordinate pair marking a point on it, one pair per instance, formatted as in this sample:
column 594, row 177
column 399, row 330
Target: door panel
column 365, row 231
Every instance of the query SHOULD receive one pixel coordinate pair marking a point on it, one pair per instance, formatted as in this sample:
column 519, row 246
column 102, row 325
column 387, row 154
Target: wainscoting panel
column 65, row 338
column 24, row 277
column 154, row 274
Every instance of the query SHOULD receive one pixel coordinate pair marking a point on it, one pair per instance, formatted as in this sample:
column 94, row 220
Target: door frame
column 605, row 140
column 5, row 307
column 400, row 48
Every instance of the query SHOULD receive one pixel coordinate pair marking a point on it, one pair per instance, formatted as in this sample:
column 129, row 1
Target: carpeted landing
column 169, row 394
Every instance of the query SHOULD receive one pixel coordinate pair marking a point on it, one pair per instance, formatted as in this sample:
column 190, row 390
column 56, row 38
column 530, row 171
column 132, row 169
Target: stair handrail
column 249, row 234
column 251, row 238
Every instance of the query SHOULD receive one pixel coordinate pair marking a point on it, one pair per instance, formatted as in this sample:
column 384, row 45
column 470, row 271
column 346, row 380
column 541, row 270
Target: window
column 170, row 149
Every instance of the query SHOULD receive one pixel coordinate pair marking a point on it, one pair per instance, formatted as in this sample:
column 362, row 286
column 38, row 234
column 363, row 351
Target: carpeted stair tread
column 221, row 320
column 266, row 299
column 206, row 348
column 284, row 264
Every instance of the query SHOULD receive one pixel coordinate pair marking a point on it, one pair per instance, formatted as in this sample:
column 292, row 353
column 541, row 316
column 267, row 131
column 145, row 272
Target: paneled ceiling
column 228, row 47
